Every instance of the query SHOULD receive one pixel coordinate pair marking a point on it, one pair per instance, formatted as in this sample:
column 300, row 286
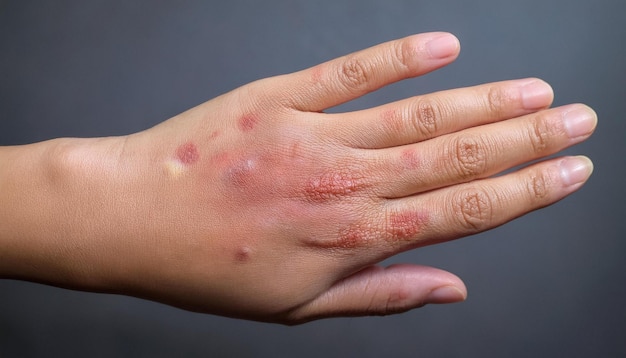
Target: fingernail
column 575, row 170
column 445, row 294
column 536, row 94
column 579, row 121
column 443, row 46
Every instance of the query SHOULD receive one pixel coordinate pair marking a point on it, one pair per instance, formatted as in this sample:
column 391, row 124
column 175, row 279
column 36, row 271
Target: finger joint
column 469, row 157
column 473, row 210
column 538, row 186
column 354, row 74
column 425, row 115
column 497, row 100
column 541, row 131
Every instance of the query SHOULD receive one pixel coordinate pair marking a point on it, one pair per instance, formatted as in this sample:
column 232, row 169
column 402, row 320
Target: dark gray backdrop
column 550, row 284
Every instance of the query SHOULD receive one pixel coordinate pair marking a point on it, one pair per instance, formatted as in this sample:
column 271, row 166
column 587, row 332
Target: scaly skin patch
column 404, row 226
column 400, row 227
column 352, row 237
column 332, row 185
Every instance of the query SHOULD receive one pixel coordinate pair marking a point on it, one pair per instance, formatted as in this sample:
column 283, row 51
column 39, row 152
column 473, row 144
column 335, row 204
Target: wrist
column 50, row 193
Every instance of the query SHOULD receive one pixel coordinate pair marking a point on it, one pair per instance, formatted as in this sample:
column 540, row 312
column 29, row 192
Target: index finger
column 352, row 76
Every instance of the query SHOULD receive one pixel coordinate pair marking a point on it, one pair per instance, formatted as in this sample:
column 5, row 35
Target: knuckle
column 497, row 99
column 425, row 117
column 539, row 185
column 540, row 132
column 469, row 157
column 473, row 210
column 353, row 74
column 255, row 97
column 404, row 53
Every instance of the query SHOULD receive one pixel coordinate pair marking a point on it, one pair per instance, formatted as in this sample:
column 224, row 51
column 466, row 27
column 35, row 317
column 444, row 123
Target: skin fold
column 259, row 205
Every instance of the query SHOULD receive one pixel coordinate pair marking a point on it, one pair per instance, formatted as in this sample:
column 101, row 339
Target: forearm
column 102, row 214
column 49, row 197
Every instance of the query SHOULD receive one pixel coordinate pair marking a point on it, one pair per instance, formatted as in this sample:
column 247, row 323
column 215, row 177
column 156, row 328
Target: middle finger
column 480, row 152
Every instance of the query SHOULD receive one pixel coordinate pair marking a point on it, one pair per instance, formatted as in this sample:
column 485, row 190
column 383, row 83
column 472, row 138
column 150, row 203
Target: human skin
column 259, row 205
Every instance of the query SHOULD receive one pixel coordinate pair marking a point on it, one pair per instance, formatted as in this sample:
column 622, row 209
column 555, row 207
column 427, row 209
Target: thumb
column 379, row 290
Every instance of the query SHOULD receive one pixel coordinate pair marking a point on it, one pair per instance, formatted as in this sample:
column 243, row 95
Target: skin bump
column 242, row 173
column 187, row 153
column 243, row 254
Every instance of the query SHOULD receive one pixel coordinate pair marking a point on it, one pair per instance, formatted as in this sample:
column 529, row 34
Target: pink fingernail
column 579, row 122
column 445, row 294
column 575, row 170
column 536, row 94
column 443, row 46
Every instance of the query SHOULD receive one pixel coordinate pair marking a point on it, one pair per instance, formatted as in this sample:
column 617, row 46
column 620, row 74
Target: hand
column 259, row 205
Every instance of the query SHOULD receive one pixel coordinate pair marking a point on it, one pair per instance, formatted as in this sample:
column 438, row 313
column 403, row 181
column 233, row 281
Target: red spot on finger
column 410, row 159
column 248, row 122
column 393, row 120
column 187, row 153
column 316, row 74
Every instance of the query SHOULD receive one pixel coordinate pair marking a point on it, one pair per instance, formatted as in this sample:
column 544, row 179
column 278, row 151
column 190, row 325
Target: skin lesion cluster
column 397, row 228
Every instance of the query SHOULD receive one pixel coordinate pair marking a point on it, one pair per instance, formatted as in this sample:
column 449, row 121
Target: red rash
column 331, row 185
column 410, row 159
column 393, row 120
column 316, row 74
column 187, row 153
column 399, row 227
column 353, row 236
column 248, row 122
column 404, row 226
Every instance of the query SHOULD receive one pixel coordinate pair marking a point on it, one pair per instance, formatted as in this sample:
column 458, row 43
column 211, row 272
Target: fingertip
column 536, row 94
column 446, row 294
column 443, row 45
column 575, row 170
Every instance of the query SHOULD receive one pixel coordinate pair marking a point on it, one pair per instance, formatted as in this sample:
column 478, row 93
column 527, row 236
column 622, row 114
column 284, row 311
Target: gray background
column 550, row 284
